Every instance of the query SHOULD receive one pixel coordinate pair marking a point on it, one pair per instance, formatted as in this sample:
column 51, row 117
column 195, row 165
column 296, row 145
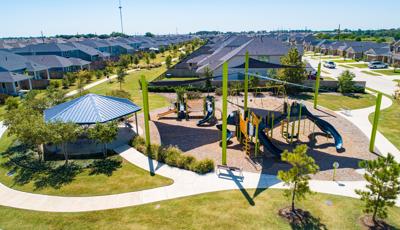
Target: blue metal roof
column 90, row 109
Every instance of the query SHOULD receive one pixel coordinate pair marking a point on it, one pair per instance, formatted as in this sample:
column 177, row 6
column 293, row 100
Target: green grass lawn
column 125, row 178
column 370, row 73
column 220, row 210
column 344, row 60
column 389, row 121
column 131, row 85
column 347, row 67
column 336, row 102
column 388, row 72
column 362, row 65
column 2, row 111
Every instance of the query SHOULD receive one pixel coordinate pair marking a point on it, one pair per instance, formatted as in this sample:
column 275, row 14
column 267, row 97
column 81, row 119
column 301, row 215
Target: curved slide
column 231, row 120
column 207, row 118
column 325, row 127
column 266, row 142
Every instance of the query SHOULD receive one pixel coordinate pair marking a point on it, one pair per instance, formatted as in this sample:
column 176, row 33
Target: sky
column 30, row 17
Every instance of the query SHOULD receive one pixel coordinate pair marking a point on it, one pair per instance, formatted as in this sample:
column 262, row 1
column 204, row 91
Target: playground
column 252, row 145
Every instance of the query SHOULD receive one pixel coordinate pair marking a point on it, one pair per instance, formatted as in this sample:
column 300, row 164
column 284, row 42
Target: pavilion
column 91, row 109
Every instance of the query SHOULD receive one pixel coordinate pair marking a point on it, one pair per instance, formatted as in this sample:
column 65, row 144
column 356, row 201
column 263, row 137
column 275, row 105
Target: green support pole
column 246, row 80
column 376, row 121
column 224, row 110
column 288, row 122
column 299, row 124
column 146, row 110
column 272, row 124
column 257, row 144
column 317, row 86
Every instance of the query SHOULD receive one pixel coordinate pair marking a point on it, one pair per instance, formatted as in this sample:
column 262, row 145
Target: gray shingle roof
column 51, row 61
column 9, row 77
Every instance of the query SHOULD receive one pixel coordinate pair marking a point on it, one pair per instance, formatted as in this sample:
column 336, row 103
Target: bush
column 65, row 83
column 346, row 83
column 55, row 83
column 193, row 95
column 3, row 98
column 173, row 156
column 218, row 91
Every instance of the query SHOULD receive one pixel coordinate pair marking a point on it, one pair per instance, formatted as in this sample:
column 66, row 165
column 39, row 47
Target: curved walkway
column 360, row 118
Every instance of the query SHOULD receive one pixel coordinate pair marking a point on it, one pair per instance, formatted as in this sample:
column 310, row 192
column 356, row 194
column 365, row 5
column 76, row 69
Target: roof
column 85, row 49
column 51, row 61
column 14, row 62
column 78, row 62
column 45, row 48
column 91, row 109
column 9, row 77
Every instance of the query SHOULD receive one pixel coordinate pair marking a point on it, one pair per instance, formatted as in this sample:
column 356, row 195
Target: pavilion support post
column 146, row 110
column 317, row 86
column 376, row 121
column 246, row 80
column 137, row 127
column 224, row 110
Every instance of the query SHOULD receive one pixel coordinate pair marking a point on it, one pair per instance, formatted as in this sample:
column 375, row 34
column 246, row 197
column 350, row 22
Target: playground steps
column 246, row 145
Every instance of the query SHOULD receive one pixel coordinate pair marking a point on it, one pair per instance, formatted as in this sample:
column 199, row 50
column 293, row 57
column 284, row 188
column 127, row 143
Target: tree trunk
column 376, row 208
column 40, row 151
column 65, row 153
column 294, row 196
column 105, row 150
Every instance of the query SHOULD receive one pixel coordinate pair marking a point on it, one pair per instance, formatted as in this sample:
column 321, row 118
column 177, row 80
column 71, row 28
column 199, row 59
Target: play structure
column 208, row 111
column 180, row 108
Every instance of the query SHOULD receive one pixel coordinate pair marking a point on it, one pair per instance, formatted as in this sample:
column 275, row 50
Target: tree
column 298, row 176
column 28, row 126
column 136, row 60
column 11, row 103
column 121, row 77
column 149, row 34
column 98, row 74
column 62, row 133
column 346, row 83
column 104, row 134
column 383, row 185
column 294, row 75
column 208, row 73
column 396, row 66
column 152, row 55
column 168, row 61
column 125, row 60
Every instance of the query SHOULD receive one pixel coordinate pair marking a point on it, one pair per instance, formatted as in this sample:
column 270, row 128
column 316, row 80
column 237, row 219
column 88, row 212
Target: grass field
column 124, row 178
column 370, row 73
column 221, row 210
column 336, row 102
column 389, row 121
column 361, row 65
column 347, row 66
column 131, row 85
column 388, row 72
column 344, row 60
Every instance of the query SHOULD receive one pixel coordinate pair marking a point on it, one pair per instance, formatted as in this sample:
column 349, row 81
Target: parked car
column 377, row 65
column 330, row 64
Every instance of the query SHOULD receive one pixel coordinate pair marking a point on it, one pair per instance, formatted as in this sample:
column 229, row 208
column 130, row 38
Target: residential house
column 12, row 83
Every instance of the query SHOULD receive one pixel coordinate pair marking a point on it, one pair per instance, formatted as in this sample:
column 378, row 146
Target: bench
column 346, row 111
column 228, row 169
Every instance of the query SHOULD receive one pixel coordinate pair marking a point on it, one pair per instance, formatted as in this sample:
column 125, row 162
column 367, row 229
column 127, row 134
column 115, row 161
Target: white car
column 377, row 65
column 330, row 64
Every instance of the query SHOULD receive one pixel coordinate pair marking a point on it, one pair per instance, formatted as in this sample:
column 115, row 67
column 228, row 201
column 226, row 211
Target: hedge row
column 173, row 156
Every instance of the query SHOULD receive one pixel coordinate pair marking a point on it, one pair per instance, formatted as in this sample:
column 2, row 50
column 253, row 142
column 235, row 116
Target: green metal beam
column 246, row 80
column 317, row 86
column 224, row 110
column 376, row 121
column 146, row 109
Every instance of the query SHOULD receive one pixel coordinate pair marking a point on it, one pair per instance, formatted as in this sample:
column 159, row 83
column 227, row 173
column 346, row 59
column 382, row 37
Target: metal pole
column 146, row 110
column 224, row 110
column 317, row 86
column 376, row 121
column 137, row 128
column 246, row 80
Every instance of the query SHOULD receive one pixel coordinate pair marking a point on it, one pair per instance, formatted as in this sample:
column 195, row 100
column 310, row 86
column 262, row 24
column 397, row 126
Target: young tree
column 346, row 83
column 121, row 77
column 396, row 66
column 104, row 134
column 11, row 103
column 168, row 61
column 152, row 55
column 208, row 73
column 136, row 60
column 296, row 74
column 383, row 185
column 298, row 176
column 125, row 60
column 62, row 133
column 99, row 74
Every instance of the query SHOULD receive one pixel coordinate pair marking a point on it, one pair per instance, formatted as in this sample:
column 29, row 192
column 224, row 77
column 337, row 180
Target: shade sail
column 90, row 109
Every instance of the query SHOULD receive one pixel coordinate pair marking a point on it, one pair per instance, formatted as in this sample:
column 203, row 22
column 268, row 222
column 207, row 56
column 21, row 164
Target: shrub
column 55, row 83
column 137, row 141
column 185, row 162
column 65, row 83
column 346, row 83
column 203, row 166
column 193, row 95
column 218, row 91
column 3, row 98
column 171, row 155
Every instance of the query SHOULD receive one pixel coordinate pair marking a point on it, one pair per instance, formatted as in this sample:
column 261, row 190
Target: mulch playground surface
column 204, row 142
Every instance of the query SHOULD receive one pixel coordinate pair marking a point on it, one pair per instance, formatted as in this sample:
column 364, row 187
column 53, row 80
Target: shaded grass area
column 389, row 121
column 361, row 65
column 337, row 102
column 112, row 175
column 389, row 72
column 346, row 66
column 220, row 210
column 131, row 85
column 370, row 73
column 344, row 60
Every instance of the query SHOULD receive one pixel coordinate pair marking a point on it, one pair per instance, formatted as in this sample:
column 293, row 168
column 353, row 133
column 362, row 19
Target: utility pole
column 120, row 15
column 41, row 32
column 339, row 33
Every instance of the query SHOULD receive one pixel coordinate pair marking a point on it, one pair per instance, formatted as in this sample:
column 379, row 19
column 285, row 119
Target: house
column 97, row 58
column 12, row 83
column 59, row 49
column 379, row 54
column 58, row 66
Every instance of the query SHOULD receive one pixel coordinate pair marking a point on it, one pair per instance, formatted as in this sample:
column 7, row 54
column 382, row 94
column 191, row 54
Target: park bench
column 346, row 111
column 228, row 169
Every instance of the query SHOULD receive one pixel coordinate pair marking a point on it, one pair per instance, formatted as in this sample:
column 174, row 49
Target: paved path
column 186, row 183
column 360, row 118
column 381, row 83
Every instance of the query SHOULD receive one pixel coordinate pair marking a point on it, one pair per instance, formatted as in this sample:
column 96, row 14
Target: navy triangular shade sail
column 91, row 109
column 257, row 64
